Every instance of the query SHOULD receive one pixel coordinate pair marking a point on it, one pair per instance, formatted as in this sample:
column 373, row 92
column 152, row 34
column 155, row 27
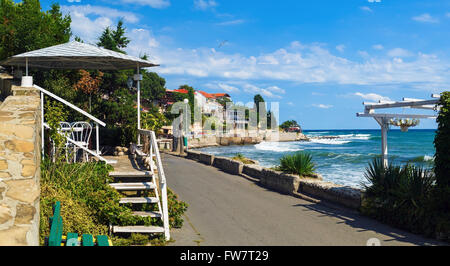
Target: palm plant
column 299, row 163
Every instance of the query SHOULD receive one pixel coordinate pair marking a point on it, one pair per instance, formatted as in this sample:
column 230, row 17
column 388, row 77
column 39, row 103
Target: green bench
column 57, row 239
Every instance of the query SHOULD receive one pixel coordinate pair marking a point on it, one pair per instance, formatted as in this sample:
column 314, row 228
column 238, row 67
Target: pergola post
column 384, row 124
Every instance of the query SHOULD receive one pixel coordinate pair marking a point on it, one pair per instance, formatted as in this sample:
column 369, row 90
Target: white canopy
column 76, row 55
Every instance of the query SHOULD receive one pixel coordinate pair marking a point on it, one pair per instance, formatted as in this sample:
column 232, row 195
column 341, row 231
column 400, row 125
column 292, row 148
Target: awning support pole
column 139, row 105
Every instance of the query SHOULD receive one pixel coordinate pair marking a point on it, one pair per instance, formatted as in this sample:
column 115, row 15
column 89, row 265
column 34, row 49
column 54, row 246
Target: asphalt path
column 231, row 210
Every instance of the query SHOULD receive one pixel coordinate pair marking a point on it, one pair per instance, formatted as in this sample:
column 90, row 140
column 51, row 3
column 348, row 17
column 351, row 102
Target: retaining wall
column 20, row 128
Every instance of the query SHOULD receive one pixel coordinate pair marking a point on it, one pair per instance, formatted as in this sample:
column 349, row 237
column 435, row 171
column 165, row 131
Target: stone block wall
column 228, row 165
column 20, row 128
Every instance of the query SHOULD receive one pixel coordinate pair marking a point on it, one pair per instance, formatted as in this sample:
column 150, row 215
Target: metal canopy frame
column 383, row 118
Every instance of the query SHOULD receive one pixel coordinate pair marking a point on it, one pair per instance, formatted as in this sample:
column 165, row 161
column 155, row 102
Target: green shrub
column 299, row 163
column 89, row 204
column 400, row 195
column 442, row 168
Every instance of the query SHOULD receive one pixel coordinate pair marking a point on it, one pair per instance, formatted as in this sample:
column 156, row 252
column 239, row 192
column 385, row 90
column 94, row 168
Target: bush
column 299, row 163
column 400, row 195
column 89, row 204
column 442, row 168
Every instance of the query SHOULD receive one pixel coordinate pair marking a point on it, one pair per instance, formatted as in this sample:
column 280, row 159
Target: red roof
column 207, row 95
column 221, row 95
column 184, row 91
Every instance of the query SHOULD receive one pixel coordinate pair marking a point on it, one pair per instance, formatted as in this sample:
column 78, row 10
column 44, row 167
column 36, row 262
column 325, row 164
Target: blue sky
column 319, row 59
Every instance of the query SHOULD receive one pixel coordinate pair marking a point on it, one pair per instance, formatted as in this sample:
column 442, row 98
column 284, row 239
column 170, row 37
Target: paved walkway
column 226, row 209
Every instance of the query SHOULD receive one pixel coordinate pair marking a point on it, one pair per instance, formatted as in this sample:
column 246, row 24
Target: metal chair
column 81, row 134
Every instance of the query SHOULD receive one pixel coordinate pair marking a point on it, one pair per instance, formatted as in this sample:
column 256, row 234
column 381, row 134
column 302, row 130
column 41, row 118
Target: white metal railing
column 96, row 120
column 153, row 151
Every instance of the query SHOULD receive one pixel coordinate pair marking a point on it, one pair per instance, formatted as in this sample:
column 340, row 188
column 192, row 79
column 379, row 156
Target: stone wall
column 20, row 127
column 228, row 165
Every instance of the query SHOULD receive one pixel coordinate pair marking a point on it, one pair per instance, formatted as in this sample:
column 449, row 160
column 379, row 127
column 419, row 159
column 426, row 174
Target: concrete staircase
column 138, row 182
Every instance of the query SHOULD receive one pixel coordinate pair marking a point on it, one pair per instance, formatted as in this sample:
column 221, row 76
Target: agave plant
column 299, row 163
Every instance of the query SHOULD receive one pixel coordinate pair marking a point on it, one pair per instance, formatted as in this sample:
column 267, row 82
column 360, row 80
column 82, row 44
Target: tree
column 289, row 123
column 88, row 84
column 114, row 40
column 25, row 27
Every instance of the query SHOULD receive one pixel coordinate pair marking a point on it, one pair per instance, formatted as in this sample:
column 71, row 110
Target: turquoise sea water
column 342, row 160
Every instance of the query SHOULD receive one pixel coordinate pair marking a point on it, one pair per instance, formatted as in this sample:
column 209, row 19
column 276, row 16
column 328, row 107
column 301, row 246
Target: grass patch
column 241, row 158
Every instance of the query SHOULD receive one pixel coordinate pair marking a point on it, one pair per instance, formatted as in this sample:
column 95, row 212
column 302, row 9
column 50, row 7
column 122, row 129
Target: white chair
column 81, row 134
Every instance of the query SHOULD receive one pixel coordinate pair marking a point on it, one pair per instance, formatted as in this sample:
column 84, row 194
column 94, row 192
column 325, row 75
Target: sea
column 342, row 160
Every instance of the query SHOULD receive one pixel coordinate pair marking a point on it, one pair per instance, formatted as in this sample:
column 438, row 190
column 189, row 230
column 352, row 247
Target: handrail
column 70, row 105
column 162, row 177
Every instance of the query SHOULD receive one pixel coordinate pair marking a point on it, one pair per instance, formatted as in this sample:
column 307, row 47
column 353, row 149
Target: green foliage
column 153, row 121
column 176, row 209
column 89, row 204
column 401, row 196
column 442, row 166
column 25, row 27
column 114, row 40
column 152, row 86
column 54, row 114
column 442, row 142
column 289, row 123
column 299, row 163
column 240, row 157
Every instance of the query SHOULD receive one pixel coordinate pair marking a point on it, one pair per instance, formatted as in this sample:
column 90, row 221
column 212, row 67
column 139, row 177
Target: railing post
column 163, row 186
column 42, row 125
column 97, row 138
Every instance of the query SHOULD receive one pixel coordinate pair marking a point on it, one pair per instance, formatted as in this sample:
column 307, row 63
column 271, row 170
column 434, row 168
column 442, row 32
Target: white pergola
column 384, row 118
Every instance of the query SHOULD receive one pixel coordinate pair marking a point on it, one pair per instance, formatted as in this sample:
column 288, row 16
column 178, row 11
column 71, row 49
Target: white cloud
column 427, row 18
column 340, row 48
column 151, row 3
column 366, row 8
column 71, row 1
column 231, row 22
column 399, row 52
column 377, row 47
column 374, row 1
column 227, row 88
column 204, row 4
column 363, row 54
column 88, row 28
column 372, row 96
column 323, row 106
column 271, row 92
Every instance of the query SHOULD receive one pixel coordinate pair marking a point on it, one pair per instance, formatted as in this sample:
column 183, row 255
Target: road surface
column 230, row 210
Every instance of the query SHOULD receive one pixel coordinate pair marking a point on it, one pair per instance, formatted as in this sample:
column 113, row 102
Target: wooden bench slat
column 72, row 240
column 88, row 240
column 102, row 241
column 56, row 229
column 56, row 233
